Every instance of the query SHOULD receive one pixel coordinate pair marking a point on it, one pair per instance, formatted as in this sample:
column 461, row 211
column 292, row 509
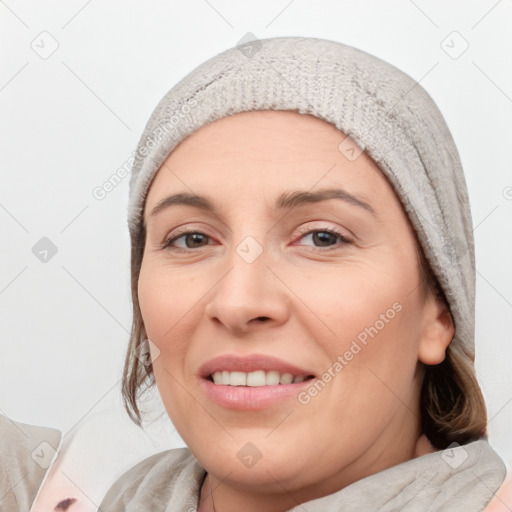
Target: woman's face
column 272, row 255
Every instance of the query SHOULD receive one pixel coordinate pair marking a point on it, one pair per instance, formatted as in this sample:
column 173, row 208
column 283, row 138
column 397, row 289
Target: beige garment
column 26, row 452
column 460, row 479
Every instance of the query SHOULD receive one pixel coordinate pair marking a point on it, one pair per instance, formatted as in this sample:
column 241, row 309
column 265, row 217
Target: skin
column 315, row 299
column 502, row 501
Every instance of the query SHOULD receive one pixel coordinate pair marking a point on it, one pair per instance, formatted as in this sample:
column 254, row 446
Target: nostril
column 262, row 318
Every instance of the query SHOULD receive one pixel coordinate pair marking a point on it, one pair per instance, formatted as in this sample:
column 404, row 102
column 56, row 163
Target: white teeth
column 238, row 379
column 272, row 378
column 257, row 378
column 286, row 378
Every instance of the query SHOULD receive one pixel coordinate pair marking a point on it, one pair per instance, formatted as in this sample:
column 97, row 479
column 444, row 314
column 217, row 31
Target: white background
column 70, row 120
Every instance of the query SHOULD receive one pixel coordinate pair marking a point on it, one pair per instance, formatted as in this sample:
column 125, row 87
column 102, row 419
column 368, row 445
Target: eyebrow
column 291, row 199
column 285, row 200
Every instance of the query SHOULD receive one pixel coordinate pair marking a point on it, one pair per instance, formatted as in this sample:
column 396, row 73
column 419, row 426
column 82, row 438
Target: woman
column 303, row 282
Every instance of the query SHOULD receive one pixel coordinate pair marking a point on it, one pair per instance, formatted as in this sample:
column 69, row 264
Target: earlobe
column 438, row 332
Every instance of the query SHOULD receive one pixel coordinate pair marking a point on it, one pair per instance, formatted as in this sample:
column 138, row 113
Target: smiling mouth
column 258, row 378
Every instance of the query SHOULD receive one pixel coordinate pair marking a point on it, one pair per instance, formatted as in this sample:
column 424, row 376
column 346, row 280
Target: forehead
column 259, row 154
column 284, row 134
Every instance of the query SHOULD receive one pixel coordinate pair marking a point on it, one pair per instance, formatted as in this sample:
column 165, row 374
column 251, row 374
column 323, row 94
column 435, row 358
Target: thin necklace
column 211, row 492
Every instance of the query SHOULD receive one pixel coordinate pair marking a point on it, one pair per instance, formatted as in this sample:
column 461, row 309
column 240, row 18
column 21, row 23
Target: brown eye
column 189, row 240
column 195, row 239
column 324, row 237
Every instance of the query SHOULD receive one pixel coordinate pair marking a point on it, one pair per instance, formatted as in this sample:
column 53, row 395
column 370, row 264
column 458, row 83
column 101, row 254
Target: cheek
column 358, row 295
column 371, row 317
column 170, row 304
column 161, row 311
column 164, row 302
column 369, row 364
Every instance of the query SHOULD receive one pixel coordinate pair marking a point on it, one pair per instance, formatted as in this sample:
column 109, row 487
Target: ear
column 437, row 333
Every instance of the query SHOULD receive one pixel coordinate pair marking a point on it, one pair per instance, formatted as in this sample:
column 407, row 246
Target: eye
column 324, row 237
column 187, row 240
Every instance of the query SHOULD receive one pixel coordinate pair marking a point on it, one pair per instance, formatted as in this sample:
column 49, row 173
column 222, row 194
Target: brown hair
column 452, row 404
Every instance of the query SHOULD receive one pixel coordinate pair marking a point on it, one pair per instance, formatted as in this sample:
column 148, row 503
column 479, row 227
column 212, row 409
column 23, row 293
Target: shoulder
column 155, row 481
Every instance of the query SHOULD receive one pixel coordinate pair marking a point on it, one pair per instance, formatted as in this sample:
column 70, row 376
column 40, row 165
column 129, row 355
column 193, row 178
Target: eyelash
column 167, row 243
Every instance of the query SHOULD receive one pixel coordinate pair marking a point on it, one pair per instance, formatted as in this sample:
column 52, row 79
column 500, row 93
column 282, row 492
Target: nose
column 249, row 297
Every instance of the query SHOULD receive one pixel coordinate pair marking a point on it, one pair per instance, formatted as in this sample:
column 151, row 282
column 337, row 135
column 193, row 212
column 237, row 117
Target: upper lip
column 251, row 363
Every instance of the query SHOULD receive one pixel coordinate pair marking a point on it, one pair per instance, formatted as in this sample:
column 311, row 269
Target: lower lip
column 249, row 398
